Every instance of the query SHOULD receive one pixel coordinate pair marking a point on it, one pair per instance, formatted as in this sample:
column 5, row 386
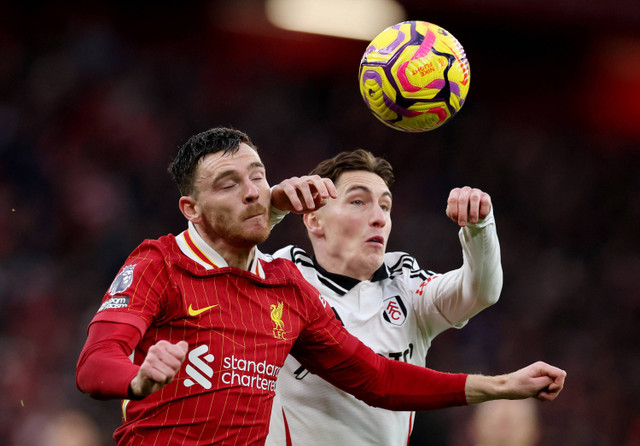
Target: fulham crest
column 395, row 311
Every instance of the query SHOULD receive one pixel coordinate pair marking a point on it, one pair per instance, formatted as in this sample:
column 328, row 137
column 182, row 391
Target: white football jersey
column 397, row 313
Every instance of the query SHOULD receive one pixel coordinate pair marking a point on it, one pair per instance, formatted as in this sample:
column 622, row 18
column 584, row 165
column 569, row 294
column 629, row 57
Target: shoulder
column 295, row 254
column 284, row 271
column 398, row 260
column 148, row 257
column 155, row 247
column 400, row 263
column 163, row 252
column 280, row 268
column 150, row 251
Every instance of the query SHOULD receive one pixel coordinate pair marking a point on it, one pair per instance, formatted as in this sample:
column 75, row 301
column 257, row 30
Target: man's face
column 355, row 227
column 232, row 199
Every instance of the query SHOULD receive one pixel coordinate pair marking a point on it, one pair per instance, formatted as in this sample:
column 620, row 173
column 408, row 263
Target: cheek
column 221, row 214
column 346, row 226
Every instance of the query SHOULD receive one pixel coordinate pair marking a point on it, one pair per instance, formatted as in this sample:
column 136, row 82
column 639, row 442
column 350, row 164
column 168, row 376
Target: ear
column 313, row 223
column 189, row 208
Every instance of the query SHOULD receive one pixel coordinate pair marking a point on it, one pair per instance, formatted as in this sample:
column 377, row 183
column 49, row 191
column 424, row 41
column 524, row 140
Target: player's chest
column 226, row 305
column 373, row 305
column 382, row 317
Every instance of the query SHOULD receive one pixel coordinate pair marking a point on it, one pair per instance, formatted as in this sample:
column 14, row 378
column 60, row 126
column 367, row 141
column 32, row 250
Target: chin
column 258, row 237
column 372, row 263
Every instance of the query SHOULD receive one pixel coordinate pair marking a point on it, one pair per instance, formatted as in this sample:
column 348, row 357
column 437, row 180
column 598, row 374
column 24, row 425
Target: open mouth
column 377, row 239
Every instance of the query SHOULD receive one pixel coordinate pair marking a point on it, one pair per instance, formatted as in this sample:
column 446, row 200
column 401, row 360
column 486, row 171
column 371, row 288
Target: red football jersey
column 240, row 326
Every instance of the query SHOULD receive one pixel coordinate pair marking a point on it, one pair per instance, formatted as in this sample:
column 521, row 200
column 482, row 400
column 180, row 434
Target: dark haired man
column 384, row 298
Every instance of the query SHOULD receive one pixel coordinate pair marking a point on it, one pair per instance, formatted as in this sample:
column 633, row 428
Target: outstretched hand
column 304, row 194
column 158, row 369
column 468, row 205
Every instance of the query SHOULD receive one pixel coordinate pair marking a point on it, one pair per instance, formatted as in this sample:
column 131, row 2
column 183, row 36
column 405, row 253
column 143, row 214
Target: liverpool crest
column 276, row 317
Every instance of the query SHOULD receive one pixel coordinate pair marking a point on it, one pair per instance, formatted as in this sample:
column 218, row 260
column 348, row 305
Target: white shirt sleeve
column 275, row 215
column 460, row 294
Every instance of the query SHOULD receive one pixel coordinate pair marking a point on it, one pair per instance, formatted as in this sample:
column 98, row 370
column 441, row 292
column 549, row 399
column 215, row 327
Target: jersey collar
column 349, row 282
column 193, row 246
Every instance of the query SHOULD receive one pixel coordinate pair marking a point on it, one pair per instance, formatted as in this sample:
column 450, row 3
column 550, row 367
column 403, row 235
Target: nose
column 378, row 217
column 251, row 191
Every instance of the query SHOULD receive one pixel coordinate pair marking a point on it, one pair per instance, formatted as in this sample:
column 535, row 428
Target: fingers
column 164, row 360
column 182, row 346
column 160, row 366
column 553, row 380
column 468, row 205
column 552, row 390
column 303, row 194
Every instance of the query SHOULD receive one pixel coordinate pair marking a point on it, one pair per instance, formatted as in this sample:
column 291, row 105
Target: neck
column 240, row 260
column 338, row 265
column 235, row 256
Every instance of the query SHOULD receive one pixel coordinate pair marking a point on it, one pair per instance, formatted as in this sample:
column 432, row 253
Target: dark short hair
column 358, row 159
column 217, row 139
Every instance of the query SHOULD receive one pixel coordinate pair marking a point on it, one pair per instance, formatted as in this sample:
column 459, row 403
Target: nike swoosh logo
column 194, row 312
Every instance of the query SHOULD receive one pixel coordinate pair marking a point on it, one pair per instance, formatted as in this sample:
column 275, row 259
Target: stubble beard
column 233, row 233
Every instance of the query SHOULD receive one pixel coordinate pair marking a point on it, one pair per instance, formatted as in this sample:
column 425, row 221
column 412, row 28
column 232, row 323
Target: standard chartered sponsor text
column 248, row 373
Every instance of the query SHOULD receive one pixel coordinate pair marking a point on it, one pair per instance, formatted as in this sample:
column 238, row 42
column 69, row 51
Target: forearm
column 462, row 293
column 538, row 380
column 104, row 370
column 411, row 387
column 480, row 388
column 482, row 269
column 396, row 385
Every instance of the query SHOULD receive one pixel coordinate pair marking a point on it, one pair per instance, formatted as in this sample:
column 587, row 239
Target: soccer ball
column 414, row 76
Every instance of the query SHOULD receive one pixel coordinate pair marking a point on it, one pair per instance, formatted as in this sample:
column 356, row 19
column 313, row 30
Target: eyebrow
column 366, row 189
column 227, row 173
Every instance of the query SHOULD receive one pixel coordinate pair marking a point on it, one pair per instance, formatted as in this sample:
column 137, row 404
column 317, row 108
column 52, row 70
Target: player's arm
column 327, row 349
column 538, row 380
column 381, row 382
column 462, row 293
column 397, row 385
column 104, row 370
column 300, row 195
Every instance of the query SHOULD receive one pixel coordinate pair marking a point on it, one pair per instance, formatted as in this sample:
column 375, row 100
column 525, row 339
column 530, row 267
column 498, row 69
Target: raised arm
column 462, row 293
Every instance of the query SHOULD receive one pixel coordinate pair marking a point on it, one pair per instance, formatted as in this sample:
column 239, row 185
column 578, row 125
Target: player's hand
column 468, row 205
column 159, row 367
column 539, row 380
column 303, row 195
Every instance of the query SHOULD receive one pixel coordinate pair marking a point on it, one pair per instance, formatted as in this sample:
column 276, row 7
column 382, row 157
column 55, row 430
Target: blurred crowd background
column 96, row 97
